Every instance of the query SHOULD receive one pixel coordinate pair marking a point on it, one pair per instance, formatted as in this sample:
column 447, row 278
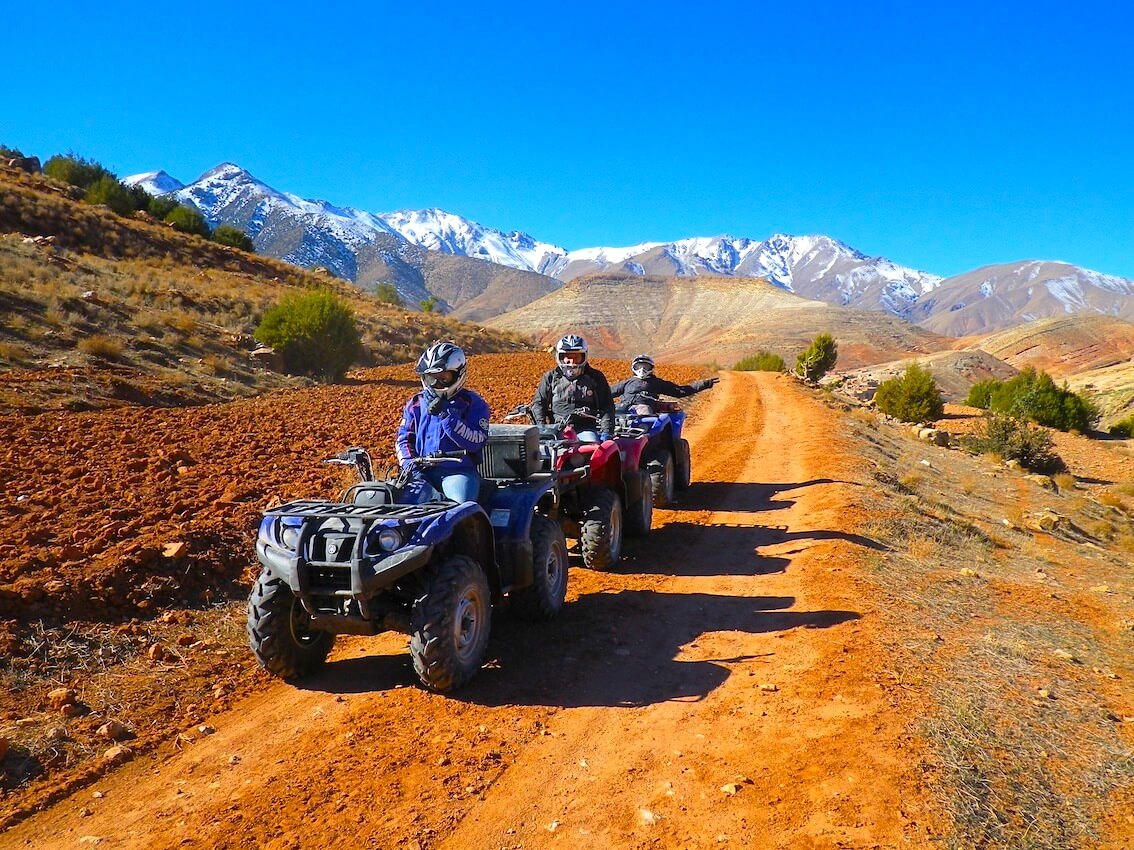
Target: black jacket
column 644, row 390
column 557, row 397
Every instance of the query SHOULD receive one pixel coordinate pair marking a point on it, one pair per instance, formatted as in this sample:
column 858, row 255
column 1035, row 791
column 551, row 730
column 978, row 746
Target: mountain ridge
column 369, row 248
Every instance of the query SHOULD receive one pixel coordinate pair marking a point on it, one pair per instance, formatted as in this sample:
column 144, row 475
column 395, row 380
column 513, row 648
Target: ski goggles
column 572, row 358
column 439, row 380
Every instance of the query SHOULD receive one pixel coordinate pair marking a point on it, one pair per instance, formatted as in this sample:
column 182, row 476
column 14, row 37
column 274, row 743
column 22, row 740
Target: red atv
column 601, row 487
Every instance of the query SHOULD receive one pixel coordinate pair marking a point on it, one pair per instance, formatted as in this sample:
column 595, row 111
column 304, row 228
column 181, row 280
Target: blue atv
column 666, row 457
column 370, row 563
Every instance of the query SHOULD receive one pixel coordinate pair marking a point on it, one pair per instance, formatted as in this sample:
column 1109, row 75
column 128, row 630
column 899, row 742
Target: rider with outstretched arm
column 443, row 417
column 644, row 387
column 576, row 393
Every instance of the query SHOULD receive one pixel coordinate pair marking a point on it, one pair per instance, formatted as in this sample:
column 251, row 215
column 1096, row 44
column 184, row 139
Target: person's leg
column 419, row 491
column 461, row 486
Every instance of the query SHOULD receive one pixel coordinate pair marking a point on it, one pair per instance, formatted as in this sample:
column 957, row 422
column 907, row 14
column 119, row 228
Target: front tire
column 278, row 632
column 662, row 478
column 543, row 598
column 450, row 624
column 600, row 537
column 640, row 516
column 684, row 466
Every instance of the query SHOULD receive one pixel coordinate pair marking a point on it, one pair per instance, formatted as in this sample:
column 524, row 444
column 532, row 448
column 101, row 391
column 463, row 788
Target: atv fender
column 606, row 468
column 511, row 516
column 464, row 529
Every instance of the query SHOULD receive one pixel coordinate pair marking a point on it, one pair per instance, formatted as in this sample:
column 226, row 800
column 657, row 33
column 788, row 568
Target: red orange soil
column 722, row 687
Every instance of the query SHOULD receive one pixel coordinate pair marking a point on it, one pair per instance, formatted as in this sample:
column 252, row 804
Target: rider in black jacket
column 644, row 387
column 575, row 392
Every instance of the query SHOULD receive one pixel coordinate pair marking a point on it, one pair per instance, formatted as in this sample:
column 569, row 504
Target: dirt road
column 723, row 687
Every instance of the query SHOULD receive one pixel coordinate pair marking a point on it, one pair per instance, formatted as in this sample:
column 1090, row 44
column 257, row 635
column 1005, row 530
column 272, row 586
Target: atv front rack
column 339, row 510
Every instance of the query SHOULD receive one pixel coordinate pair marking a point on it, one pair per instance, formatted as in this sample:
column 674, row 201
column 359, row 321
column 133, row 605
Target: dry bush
column 1064, row 481
column 101, row 346
column 14, row 353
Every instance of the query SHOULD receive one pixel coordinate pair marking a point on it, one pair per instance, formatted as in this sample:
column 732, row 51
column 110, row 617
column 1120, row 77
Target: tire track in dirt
column 617, row 725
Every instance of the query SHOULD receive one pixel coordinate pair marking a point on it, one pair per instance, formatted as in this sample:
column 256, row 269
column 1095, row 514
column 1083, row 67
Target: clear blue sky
column 942, row 135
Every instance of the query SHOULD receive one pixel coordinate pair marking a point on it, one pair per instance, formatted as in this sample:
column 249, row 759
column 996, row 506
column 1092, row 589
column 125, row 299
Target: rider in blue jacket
column 443, row 417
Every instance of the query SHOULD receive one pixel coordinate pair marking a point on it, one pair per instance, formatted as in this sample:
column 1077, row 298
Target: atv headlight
column 289, row 537
column 389, row 539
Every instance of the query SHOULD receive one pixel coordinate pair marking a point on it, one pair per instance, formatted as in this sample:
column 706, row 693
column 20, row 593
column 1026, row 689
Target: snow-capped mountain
column 155, row 182
column 993, row 298
column 406, row 248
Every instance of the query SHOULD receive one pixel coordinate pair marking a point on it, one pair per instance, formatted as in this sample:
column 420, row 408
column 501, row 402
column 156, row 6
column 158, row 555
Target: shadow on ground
column 604, row 649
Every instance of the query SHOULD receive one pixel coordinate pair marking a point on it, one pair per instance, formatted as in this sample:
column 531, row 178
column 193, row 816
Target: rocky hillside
column 710, row 319
column 97, row 309
column 1064, row 346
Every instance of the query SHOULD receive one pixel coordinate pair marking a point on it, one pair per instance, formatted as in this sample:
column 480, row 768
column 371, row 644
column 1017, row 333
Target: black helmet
column 571, row 355
column 642, row 365
column 443, row 369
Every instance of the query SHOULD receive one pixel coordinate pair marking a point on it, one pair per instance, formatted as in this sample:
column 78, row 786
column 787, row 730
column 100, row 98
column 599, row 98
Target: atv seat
column 371, row 493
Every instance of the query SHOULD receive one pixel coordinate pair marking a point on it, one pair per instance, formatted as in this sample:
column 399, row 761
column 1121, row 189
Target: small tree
column 429, row 304
column 818, row 359
column 1030, row 445
column 76, row 170
column 914, row 397
column 188, row 220
column 159, row 208
column 387, row 293
column 107, row 190
column 980, row 393
column 761, row 361
column 314, row 331
column 234, row 237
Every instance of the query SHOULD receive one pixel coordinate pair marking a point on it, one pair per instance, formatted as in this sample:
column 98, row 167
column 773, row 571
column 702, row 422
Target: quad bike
column 602, row 488
column 369, row 563
column 666, row 457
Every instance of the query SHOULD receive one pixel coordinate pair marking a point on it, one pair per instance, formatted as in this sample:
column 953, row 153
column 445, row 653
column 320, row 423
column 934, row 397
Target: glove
column 436, row 404
column 705, row 383
column 604, row 436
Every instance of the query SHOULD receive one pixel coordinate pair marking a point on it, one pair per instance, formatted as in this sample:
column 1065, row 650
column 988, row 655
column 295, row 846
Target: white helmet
column 443, row 369
column 642, row 365
column 571, row 355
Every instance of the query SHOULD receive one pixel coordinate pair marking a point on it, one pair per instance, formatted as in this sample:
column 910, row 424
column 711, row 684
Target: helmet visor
column 439, row 380
column 572, row 358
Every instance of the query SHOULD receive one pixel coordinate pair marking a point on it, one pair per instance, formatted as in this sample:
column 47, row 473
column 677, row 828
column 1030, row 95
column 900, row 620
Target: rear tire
column 278, row 632
column 683, row 467
column 543, row 598
column 662, row 478
column 600, row 536
column 450, row 624
column 640, row 515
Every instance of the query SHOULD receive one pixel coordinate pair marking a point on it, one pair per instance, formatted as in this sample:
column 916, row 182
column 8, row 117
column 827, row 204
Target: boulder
column 269, row 358
column 30, row 164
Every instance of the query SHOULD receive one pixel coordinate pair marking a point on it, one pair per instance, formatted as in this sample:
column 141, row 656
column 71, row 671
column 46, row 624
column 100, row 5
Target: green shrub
column 75, row 170
column 1013, row 439
column 1123, row 428
column 429, row 304
column 914, row 397
column 1034, row 396
column 107, row 190
column 761, row 361
column 819, row 358
column 387, row 293
column 234, row 237
column 980, row 393
column 188, row 220
column 315, row 332
column 10, row 153
column 159, row 208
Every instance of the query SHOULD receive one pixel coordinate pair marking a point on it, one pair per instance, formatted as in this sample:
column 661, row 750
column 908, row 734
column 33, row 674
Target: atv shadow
column 732, row 496
column 624, row 649
column 604, row 649
column 690, row 549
